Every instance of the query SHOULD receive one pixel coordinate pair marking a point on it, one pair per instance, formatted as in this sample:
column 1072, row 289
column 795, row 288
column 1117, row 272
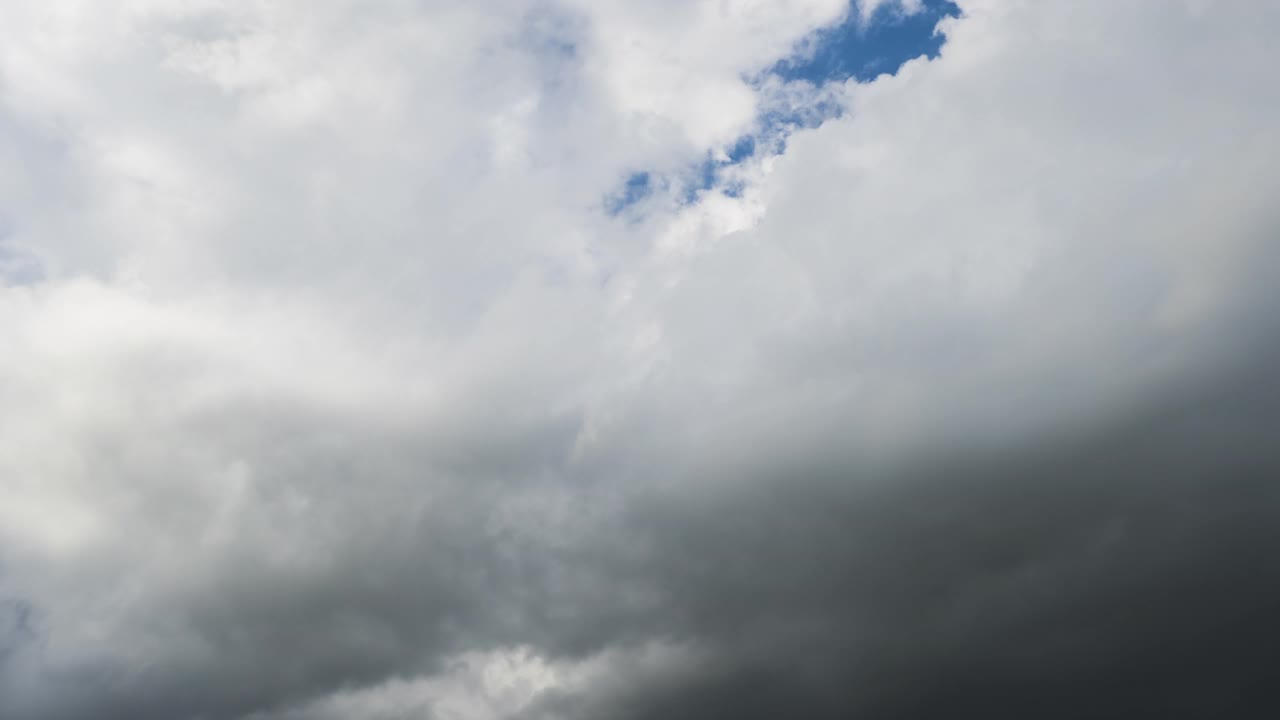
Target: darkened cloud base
column 347, row 371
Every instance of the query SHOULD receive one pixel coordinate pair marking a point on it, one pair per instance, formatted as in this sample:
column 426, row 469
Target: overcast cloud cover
column 400, row 359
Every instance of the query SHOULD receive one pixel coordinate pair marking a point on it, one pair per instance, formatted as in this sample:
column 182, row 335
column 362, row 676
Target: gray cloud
column 1123, row 571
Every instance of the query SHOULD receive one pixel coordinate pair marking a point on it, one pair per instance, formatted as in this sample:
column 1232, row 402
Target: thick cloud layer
column 333, row 384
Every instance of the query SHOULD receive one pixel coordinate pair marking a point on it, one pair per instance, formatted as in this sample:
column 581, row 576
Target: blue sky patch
column 638, row 186
column 852, row 49
column 861, row 51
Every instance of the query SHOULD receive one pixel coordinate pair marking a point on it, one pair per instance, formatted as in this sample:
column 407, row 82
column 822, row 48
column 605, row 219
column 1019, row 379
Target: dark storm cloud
column 1125, row 572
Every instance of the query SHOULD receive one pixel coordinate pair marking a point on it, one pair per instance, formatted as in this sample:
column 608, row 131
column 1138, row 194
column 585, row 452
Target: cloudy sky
column 632, row 359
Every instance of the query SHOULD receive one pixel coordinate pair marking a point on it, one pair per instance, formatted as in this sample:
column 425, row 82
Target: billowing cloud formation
column 332, row 388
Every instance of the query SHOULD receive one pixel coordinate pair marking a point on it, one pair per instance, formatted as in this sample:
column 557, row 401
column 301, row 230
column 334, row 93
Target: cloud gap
column 861, row 46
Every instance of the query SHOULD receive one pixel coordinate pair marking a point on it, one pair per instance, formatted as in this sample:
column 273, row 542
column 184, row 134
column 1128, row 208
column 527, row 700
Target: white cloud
column 501, row 683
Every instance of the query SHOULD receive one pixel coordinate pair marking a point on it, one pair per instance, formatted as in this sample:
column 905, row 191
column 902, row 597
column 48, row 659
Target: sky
column 616, row 360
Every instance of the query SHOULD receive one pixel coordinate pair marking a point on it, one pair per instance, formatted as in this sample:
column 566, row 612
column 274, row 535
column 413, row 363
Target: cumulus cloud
column 331, row 387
